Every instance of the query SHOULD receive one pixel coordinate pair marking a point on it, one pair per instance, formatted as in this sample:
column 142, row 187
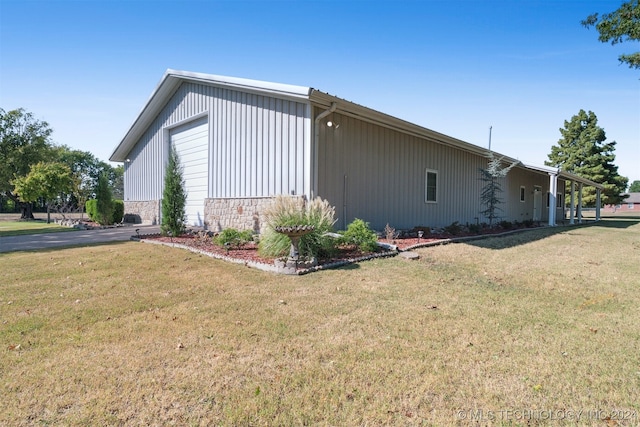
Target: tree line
column 36, row 172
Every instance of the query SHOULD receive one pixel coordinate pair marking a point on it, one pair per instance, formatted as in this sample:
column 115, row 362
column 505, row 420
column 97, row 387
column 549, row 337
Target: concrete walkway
column 72, row 238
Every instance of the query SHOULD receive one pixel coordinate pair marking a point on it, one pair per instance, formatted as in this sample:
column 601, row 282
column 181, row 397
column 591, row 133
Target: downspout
column 316, row 139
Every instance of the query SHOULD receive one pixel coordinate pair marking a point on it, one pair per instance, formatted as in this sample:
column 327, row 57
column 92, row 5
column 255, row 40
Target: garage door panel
column 192, row 145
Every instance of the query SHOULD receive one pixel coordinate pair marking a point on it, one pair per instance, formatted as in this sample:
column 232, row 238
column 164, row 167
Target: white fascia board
column 172, row 79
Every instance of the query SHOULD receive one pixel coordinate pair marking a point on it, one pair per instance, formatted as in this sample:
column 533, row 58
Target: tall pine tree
column 582, row 150
column 174, row 197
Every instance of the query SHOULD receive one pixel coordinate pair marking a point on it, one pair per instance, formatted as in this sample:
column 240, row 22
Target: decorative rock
column 409, row 255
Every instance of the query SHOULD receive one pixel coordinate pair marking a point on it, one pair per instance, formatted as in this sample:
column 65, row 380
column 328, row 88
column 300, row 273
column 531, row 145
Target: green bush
column 118, row 211
column 505, row 225
column 285, row 210
column 474, row 228
column 233, row 237
column 91, row 207
column 358, row 233
column 454, row 228
column 104, row 201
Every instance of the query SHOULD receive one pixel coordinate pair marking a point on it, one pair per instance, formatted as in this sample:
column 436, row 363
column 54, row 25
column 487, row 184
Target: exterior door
column 192, row 145
column 537, row 203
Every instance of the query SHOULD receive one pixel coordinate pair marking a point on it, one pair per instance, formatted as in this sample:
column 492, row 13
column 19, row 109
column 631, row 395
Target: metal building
column 242, row 142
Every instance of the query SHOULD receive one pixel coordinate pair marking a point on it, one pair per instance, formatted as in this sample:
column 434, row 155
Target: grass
column 16, row 228
column 135, row 334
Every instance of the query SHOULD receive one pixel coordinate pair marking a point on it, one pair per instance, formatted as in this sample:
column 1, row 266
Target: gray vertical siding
column 258, row 144
column 385, row 176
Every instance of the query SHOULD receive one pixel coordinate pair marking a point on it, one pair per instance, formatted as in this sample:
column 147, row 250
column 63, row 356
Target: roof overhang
column 171, row 81
column 563, row 174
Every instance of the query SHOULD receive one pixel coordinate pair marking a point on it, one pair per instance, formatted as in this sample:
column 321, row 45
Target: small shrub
column 506, row 225
column 527, row 223
column 359, row 234
column 91, row 206
column 390, row 232
column 454, row 228
column 233, row 237
column 474, row 228
column 118, row 211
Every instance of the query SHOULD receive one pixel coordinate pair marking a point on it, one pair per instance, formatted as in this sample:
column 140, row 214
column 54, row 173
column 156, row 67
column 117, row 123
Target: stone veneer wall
column 145, row 212
column 242, row 214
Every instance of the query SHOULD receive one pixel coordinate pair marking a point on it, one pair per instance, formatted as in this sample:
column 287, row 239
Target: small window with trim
column 522, row 190
column 559, row 201
column 431, row 186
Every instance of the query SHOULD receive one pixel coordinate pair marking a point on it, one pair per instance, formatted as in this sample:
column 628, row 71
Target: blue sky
column 457, row 67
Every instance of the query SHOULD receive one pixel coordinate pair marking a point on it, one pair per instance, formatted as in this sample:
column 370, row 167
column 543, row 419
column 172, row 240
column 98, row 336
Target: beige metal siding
column 258, row 144
column 378, row 174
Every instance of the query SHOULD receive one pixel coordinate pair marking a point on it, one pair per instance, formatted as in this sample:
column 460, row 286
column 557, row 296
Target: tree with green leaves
column 104, row 205
column 24, row 142
column 634, row 187
column 621, row 25
column 45, row 181
column 86, row 170
column 490, row 195
column 582, row 150
column 174, row 197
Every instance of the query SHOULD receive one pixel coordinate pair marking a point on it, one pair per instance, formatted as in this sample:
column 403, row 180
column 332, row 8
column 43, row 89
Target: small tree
column 635, row 187
column 46, row 181
column 104, row 200
column 490, row 195
column 174, row 197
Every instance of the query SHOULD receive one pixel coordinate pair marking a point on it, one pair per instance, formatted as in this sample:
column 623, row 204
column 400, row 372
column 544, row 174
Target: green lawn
column 533, row 329
column 15, row 228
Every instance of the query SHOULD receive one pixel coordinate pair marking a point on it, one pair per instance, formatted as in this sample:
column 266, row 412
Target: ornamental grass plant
column 290, row 211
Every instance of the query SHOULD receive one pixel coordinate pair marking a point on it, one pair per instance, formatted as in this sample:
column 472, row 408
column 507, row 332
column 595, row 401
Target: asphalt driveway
column 75, row 238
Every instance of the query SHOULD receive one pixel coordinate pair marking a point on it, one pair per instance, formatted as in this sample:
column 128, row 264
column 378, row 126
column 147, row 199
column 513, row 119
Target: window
column 559, row 201
column 630, row 206
column 431, row 186
column 522, row 193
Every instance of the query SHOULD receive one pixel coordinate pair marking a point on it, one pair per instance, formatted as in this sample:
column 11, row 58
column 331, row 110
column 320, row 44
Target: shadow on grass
column 531, row 235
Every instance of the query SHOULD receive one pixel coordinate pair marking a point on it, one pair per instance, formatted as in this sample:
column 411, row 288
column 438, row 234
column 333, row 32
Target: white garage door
column 192, row 145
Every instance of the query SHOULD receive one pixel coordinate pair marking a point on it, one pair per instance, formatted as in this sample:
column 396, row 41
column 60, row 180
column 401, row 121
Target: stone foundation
column 142, row 212
column 238, row 213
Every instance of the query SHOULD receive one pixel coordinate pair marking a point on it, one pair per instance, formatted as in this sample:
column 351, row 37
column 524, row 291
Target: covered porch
column 576, row 184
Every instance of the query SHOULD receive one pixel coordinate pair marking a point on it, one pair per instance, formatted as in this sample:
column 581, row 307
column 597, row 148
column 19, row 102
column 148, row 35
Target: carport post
column 553, row 189
column 597, row 204
column 571, row 206
column 580, row 203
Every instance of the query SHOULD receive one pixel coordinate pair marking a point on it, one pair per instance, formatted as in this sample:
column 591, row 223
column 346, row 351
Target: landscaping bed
column 203, row 242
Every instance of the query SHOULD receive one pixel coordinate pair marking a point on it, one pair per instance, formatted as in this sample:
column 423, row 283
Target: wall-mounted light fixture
column 128, row 160
column 332, row 124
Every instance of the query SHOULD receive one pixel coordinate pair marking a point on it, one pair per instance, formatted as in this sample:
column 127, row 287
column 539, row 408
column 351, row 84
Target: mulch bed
column 249, row 255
